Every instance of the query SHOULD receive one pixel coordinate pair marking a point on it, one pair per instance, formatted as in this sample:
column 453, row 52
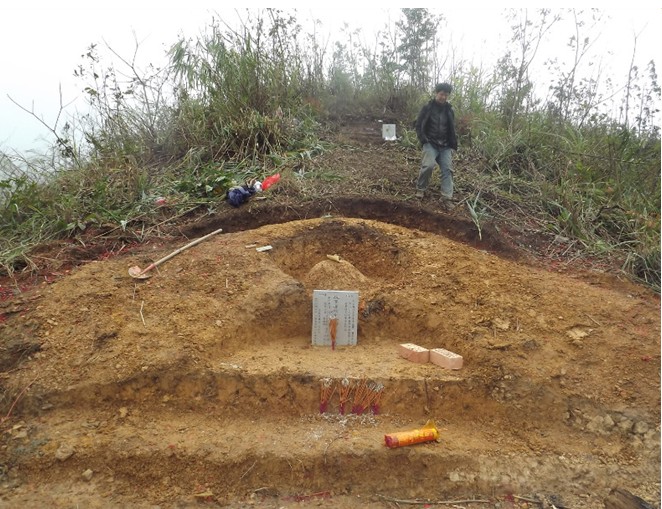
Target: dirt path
column 200, row 386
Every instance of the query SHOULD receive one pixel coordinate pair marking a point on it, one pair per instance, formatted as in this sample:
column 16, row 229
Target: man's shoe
column 420, row 194
column 447, row 204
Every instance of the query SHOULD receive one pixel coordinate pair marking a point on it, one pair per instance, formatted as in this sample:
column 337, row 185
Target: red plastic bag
column 269, row 181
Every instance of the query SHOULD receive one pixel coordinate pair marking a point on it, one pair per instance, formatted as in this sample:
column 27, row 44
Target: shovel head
column 137, row 273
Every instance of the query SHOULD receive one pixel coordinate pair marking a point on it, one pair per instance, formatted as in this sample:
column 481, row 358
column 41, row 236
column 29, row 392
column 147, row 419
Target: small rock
column 87, row 475
column 64, row 452
column 124, row 411
column 530, row 344
column 640, row 427
column 651, row 435
column 21, row 434
column 625, row 425
column 622, row 499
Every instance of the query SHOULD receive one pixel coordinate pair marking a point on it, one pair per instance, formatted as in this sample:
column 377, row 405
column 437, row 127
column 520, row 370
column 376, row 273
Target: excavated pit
column 203, row 381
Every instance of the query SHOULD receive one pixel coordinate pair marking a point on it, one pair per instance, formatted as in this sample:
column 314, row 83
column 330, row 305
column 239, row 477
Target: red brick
column 414, row 353
column 445, row 358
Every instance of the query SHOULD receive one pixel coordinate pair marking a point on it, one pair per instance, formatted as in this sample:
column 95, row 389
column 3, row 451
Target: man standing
column 435, row 128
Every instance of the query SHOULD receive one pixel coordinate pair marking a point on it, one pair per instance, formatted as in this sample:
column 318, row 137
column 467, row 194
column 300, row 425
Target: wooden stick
column 525, row 499
column 183, row 248
column 11, row 408
column 433, row 502
column 249, row 469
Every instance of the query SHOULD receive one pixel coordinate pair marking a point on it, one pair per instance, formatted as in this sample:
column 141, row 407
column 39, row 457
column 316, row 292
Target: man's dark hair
column 443, row 87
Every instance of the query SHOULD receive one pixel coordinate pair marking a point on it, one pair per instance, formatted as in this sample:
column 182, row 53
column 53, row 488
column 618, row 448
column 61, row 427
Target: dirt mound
column 200, row 384
column 338, row 275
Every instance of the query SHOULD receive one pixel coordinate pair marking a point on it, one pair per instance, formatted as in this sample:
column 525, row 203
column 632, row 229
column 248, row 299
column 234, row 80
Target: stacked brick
column 439, row 356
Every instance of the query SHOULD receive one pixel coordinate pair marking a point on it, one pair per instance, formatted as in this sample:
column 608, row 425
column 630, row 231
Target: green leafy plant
column 478, row 213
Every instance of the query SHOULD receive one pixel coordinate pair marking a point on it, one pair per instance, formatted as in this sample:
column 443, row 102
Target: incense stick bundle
column 326, row 391
column 333, row 330
column 377, row 390
column 345, row 394
column 362, row 397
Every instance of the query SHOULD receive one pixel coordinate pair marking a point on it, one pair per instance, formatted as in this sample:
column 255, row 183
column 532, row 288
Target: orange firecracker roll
column 427, row 433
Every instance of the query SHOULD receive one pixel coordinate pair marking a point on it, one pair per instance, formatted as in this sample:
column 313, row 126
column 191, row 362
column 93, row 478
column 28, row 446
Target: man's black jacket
column 430, row 123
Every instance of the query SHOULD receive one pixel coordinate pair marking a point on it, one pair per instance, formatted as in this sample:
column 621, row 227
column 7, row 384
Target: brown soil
column 200, row 386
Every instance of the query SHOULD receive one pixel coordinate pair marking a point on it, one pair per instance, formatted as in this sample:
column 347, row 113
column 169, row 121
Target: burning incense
column 376, row 390
column 333, row 329
column 326, row 391
column 345, row 394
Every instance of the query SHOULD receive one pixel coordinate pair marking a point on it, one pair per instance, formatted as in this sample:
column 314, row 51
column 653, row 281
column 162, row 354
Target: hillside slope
column 200, row 386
